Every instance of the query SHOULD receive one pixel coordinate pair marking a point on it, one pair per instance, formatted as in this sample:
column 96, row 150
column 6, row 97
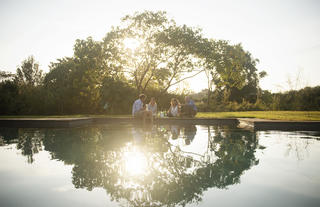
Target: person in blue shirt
column 188, row 109
column 139, row 110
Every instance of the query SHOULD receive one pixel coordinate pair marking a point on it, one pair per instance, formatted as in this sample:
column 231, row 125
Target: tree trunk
column 208, row 99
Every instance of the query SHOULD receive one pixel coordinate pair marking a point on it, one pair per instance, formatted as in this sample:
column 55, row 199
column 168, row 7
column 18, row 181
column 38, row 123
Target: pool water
column 158, row 165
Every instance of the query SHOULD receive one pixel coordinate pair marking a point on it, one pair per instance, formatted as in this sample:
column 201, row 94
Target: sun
column 131, row 43
column 136, row 163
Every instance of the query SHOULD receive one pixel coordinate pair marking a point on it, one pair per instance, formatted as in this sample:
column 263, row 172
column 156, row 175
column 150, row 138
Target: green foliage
column 22, row 93
column 73, row 83
column 117, row 96
column 233, row 106
column 232, row 71
column 29, row 73
column 9, row 92
column 305, row 99
column 152, row 50
column 4, row 75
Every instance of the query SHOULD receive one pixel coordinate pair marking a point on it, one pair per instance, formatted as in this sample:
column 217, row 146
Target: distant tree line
column 148, row 53
column 306, row 99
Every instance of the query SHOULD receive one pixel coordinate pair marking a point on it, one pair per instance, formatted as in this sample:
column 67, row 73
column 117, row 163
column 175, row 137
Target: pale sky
column 283, row 34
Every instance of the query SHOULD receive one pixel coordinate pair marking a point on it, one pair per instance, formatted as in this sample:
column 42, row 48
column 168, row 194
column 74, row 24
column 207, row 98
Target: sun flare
column 131, row 43
column 136, row 163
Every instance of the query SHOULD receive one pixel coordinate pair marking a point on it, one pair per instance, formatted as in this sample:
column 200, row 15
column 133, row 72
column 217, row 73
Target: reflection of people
column 175, row 131
column 152, row 106
column 174, row 108
column 138, row 135
column 188, row 109
column 190, row 132
column 139, row 110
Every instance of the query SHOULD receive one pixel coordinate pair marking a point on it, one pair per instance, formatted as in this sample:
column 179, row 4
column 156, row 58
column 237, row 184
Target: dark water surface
column 173, row 165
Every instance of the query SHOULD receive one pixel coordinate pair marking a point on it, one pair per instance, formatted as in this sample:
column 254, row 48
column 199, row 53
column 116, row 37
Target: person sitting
column 139, row 109
column 152, row 106
column 188, row 109
column 174, row 110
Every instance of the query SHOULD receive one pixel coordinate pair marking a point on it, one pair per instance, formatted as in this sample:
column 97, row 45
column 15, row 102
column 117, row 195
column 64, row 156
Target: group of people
column 142, row 110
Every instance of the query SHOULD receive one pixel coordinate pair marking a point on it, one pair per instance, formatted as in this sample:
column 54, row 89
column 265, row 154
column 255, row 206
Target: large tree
column 233, row 71
column 153, row 51
column 74, row 82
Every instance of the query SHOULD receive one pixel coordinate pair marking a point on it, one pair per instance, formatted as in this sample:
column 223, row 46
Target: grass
column 273, row 115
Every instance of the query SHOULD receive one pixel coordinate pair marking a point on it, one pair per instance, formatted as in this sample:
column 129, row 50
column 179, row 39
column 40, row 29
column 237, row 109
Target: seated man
column 139, row 109
column 188, row 109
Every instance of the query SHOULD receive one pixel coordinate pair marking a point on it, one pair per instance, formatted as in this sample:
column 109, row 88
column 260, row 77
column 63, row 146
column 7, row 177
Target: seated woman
column 152, row 106
column 174, row 110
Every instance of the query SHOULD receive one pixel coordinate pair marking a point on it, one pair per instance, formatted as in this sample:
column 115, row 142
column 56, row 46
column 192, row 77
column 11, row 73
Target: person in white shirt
column 152, row 106
column 139, row 110
column 174, row 110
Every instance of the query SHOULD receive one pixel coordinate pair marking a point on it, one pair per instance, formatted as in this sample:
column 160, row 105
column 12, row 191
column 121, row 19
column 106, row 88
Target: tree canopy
column 152, row 51
column 29, row 73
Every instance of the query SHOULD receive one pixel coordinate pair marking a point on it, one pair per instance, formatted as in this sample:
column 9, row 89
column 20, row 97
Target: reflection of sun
column 135, row 163
column 131, row 43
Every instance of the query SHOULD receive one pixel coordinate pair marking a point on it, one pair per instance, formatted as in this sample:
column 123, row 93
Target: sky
column 283, row 34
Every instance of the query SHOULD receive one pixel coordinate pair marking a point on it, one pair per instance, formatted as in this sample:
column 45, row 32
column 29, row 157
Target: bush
column 117, row 96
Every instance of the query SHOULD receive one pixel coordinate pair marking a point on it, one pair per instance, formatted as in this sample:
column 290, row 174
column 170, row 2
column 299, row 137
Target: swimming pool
column 158, row 165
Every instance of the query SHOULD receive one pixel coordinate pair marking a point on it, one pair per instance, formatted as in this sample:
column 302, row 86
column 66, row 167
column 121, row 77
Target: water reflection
column 146, row 165
column 29, row 141
column 299, row 149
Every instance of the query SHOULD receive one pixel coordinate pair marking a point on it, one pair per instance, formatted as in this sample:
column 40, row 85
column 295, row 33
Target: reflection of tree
column 170, row 176
column 298, row 147
column 30, row 143
column 9, row 135
column 235, row 152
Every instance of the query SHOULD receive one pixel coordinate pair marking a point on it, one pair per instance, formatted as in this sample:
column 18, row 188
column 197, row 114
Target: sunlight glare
column 131, row 43
column 135, row 163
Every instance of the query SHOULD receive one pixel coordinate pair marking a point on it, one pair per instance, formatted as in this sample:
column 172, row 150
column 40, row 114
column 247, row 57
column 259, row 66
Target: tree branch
column 191, row 76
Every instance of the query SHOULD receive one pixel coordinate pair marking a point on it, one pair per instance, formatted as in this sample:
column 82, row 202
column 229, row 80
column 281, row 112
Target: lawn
column 275, row 115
